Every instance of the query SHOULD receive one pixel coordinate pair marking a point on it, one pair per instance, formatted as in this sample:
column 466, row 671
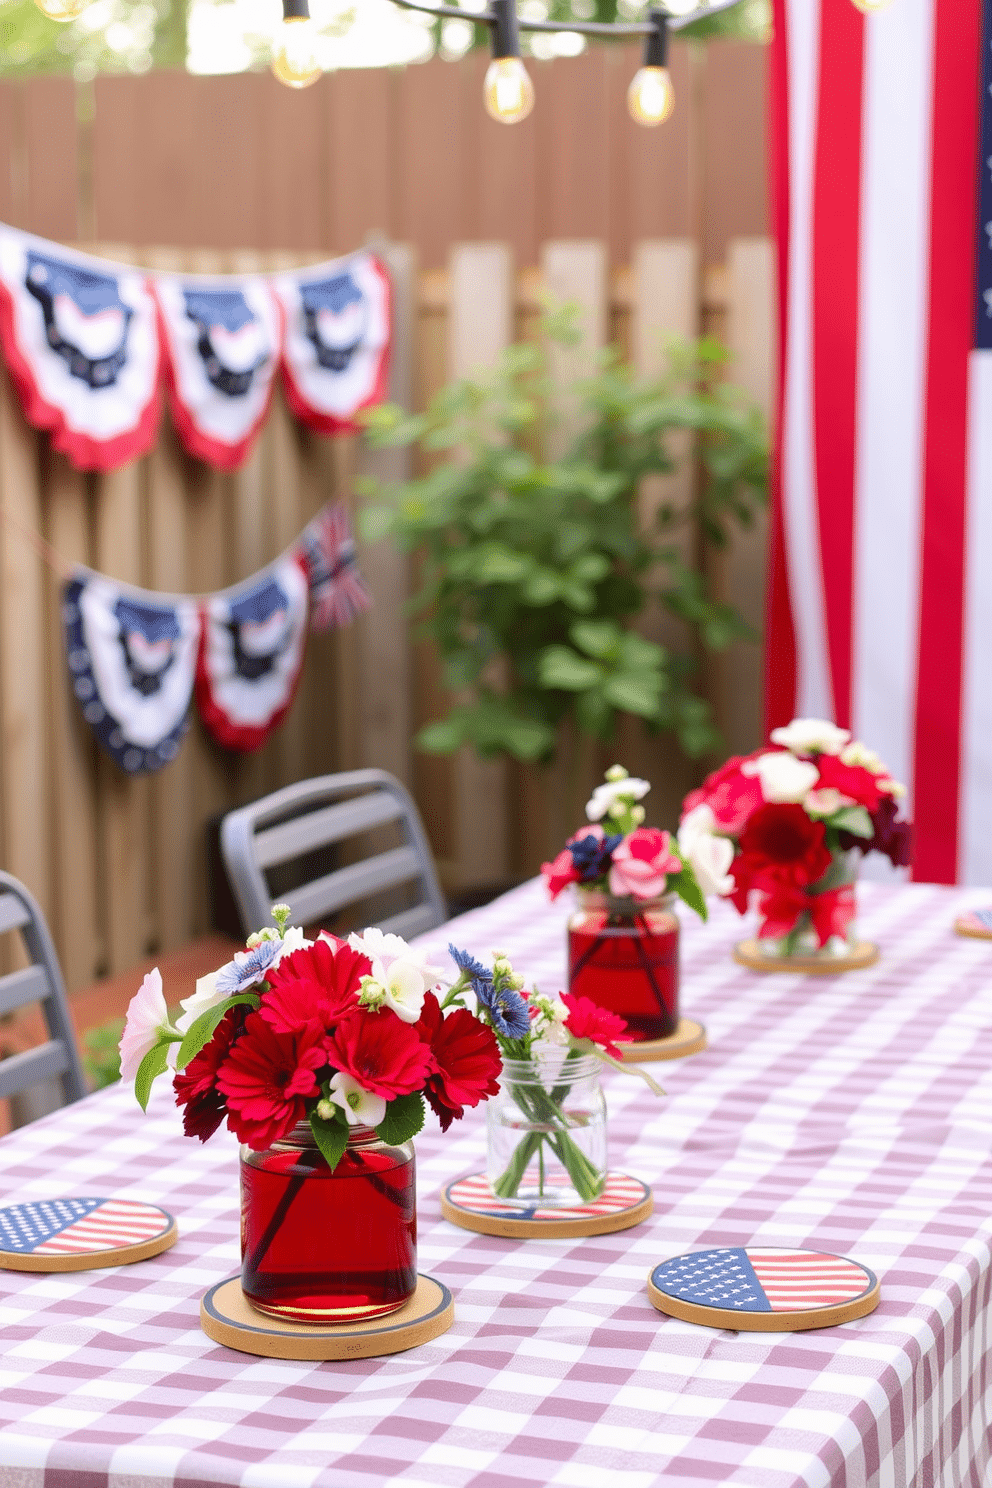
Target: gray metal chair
column 272, row 848
column 49, row 1076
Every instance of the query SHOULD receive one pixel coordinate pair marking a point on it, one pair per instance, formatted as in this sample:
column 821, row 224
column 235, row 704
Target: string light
column 294, row 50
column 869, row 7
column 651, row 96
column 61, row 10
column 507, row 91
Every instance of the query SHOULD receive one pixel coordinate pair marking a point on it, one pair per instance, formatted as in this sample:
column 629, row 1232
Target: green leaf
column 404, row 1118
column 331, row 1137
column 853, row 819
column 633, row 693
column 442, row 737
column 689, row 892
column 597, row 638
column 201, row 1031
column 154, row 1064
column 561, row 667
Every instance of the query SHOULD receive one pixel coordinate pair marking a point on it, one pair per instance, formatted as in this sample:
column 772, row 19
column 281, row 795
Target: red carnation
column 466, row 1060
column 196, row 1085
column 267, row 1079
column 587, row 1020
column 561, row 872
column 853, row 781
column 384, row 1054
column 317, row 983
column 779, row 845
column 731, row 796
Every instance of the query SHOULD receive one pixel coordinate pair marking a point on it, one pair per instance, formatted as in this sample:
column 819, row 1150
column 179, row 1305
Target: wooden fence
column 119, row 864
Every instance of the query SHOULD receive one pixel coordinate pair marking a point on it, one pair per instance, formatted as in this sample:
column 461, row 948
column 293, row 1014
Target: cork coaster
column 758, row 1289
column 470, row 1203
column 688, row 1038
column 975, row 923
column 749, row 953
column 227, row 1318
column 82, row 1234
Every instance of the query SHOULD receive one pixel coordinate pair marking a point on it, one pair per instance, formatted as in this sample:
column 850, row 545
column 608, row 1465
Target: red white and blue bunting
column 89, row 344
column 137, row 658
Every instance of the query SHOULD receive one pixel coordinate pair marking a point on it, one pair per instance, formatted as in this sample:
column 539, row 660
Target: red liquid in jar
column 631, row 968
column 344, row 1244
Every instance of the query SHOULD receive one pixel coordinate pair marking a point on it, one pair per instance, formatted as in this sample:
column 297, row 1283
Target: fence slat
column 480, row 326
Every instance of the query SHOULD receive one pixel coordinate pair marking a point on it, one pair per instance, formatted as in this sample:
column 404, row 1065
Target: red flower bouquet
column 780, row 829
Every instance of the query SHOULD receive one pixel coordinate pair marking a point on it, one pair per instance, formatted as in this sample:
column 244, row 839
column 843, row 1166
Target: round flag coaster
column 751, row 954
column 761, row 1290
column 975, row 923
column 688, row 1038
column 228, row 1318
column 470, row 1203
column 82, row 1234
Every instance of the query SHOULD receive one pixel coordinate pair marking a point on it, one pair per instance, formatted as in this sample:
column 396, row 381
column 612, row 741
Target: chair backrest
column 55, row 1062
column 263, row 846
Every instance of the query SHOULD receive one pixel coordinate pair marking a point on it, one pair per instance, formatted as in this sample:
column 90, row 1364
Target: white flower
column 147, row 1019
column 699, row 822
column 604, row 797
column 383, row 950
column 360, row 1106
column 857, row 753
column 825, row 801
column 811, row 735
column 403, row 989
column 549, row 1026
column 783, row 777
column 710, row 858
column 893, row 788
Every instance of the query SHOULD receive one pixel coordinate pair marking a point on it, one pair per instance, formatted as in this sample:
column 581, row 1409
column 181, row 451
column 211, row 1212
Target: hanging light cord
column 493, row 18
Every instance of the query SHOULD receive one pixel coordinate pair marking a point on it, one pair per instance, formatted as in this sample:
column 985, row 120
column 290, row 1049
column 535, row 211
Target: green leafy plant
column 535, row 570
column 101, row 1054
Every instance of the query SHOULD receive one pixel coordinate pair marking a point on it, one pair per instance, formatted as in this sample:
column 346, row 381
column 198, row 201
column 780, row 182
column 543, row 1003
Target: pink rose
column 730, row 794
column 641, row 864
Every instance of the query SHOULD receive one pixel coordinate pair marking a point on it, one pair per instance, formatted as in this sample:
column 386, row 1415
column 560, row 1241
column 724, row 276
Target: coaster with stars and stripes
column 759, row 1289
column 82, row 1234
column 471, row 1203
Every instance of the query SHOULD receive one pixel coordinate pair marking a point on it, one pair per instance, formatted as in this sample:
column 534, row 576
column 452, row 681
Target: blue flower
column 248, row 967
column 465, row 961
column 506, row 1008
column 592, row 855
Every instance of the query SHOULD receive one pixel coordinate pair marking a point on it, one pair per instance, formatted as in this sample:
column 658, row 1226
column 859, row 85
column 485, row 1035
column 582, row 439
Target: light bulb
column 507, row 91
column 294, row 53
column 869, row 7
column 61, row 10
column 651, row 97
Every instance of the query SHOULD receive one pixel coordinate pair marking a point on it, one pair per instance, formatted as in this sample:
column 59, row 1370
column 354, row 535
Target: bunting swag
column 251, row 654
column 337, row 590
column 132, row 658
column 80, row 338
column 336, row 343
column 221, row 345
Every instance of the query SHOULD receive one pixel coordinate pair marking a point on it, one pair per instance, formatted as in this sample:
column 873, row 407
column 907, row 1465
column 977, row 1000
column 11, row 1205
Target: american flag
column 761, row 1279
column 474, row 1194
column 880, row 599
column 337, row 590
column 79, row 1226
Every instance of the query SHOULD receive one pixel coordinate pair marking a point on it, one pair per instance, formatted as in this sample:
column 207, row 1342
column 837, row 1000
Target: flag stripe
column 836, row 233
column 799, row 511
column 952, row 279
column 976, row 765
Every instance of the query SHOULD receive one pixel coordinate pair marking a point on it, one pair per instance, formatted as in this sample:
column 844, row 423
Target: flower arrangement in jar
column 320, row 1056
column 784, row 829
column 623, row 937
column 547, row 1141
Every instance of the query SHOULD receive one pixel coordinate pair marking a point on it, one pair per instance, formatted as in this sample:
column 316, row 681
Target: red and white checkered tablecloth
column 853, row 1114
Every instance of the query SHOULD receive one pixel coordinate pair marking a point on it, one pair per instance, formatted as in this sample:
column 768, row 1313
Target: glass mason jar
column 623, row 954
column 547, row 1132
column 802, row 940
column 323, row 1247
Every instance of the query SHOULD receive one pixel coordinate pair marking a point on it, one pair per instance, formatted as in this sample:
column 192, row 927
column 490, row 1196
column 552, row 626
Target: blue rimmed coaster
column 757, row 1288
column 82, row 1233
column 470, row 1203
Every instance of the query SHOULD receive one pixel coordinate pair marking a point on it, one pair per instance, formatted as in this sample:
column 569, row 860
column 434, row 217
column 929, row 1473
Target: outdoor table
column 851, row 1113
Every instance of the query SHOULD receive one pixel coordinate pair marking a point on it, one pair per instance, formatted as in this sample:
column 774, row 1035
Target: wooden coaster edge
column 973, row 932
column 764, row 1322
column 507, row 1228
column 96, row 1260
column 747, row 953
column 325, row 1343
column 688, row 1038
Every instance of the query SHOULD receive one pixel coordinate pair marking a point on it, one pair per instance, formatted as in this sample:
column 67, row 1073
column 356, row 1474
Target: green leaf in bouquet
column 202, row 1029
column 154, row 1064
column 331, row 1137
column 404, row 1118
column 689, row 892
column 853, row 819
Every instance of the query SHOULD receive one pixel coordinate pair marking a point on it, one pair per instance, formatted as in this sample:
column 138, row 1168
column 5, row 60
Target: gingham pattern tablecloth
column 852, row 1114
